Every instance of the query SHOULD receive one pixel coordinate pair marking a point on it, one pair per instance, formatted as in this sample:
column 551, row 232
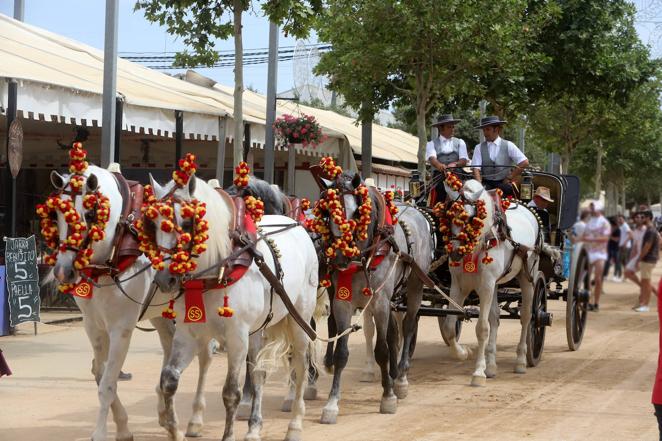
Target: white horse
column 250, row 298
column 111, row 314
column 507, row 265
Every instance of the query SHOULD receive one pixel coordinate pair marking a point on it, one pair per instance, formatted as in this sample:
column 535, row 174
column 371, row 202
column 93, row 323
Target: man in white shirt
column 623, row 247
column 497, row 162
column 444, row 152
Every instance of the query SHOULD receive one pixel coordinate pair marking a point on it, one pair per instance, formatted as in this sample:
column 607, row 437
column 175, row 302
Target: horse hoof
column 478, row 381
column 368, row 377
column 491, row 371
column 243, row 411
column 293, row 435
column 252, row 437
column 310, row 393
column 194, row 430
column 388, row 405
column 287, row 405
column 520, row 368
column 401, row 389
column 328, row 369
column 329, row 416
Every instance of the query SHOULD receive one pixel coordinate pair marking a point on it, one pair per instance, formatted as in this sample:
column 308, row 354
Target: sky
column 83, row 20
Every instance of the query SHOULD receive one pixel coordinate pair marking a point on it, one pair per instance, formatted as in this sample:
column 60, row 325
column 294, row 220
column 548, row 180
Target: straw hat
column 543, row 192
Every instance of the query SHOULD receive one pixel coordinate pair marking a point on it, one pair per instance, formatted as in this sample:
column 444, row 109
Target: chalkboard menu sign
column 22, row 279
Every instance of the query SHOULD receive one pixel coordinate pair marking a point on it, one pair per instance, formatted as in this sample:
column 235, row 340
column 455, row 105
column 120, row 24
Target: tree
column 201, row 22
column 419, row 52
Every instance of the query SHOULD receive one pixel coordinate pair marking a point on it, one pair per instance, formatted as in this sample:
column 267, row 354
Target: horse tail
column 276, row 351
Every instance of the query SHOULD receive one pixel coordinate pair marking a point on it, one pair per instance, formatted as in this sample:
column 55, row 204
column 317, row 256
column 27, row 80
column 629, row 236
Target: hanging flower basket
column 303, row 129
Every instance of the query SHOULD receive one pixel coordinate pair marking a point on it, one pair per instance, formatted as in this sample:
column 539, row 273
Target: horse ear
column 191, row 185
column 57, row 180
column 92, row 183
column 356, row 180
column 322, row 183
column 158, row 190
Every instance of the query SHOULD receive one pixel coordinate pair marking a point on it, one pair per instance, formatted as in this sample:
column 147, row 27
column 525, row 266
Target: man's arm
column 477, row 161
column 646, row 246
column 436, row 164
column 517, row 170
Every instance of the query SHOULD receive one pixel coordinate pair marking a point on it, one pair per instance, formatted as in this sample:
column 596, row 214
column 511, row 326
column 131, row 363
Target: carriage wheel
column 540, row 319
column 458, row 329
column 577, row 299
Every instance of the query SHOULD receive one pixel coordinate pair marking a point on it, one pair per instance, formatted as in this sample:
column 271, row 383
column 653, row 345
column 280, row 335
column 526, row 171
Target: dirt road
column 601, row 392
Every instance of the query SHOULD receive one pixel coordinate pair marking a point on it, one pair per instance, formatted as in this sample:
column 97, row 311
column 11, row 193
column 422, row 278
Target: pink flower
column 296, row 134
column 303, row 131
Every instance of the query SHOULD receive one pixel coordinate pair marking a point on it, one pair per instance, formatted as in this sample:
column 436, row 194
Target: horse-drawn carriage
column 563, row 269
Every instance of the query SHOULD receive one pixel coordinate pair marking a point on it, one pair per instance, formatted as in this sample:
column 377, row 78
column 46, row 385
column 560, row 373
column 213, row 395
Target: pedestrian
column 580, row 225
column 648, row 257
column 623, row 247
column 497, row 162
column 637, row 235
column 596, row 235
column 657, row 386
column 4, row 367
column 444, row 151
column 612, row 247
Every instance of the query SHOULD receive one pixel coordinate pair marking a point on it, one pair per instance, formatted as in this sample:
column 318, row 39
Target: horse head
column 352, row 224
column 87, row 207
column 177, row 215
column 472, row 215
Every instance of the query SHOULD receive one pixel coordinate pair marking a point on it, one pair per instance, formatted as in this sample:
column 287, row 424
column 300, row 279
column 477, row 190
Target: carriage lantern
column 415, row 184
column 526, row 189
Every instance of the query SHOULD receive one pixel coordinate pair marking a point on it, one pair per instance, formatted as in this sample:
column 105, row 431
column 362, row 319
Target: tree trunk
column 422, row 138
column 238, row 85
column 612, row 199
column 598, row 171
column 623, row 198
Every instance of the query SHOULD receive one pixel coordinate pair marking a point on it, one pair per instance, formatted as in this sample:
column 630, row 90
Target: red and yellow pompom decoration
column 225, row 310
column 366, row 292
column 505, row 202
column 325, row 282
column 190, row 244
column 453, row 182
column 305, row 204
column 95, row 202
column 169, row 312
column 469, row 228
column 187, row 168
column 329, row 209
column 330, row 168
column 241, row 171
column 389, row 196
column 254, row 207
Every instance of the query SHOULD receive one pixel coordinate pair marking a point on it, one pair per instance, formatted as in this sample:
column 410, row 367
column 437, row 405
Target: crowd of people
column 630, row 246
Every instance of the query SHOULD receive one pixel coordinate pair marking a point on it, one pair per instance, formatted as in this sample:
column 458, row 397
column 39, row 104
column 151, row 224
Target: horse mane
column 274, row 200
column 219, row 218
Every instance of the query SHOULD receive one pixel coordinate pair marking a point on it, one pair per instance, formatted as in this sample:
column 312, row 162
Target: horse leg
column 237, row 349
column 457, row 350
column 256, row 379
column 244, row 411
column 342, row 314
column 525, row 319
column 491, row 369
column 368, row 373
column 118, row 346
column 184, row 348
column 333, row 331
column 383, row 354
column 166, row 330
column 409, row 325
column 310, row 393
column 300, row 352
column 199, row 404
column 485, row 293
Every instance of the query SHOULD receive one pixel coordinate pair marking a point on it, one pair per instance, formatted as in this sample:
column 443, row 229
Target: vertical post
column 12, row 109
column 220, row 149
column 179, row 134
column 520, row 139
column 272, row 79
column 247, row 141
column 119, row 115
column 598, row 171
column 291, row 170
column 366, row 149
column 109, row 84
column 19, row 10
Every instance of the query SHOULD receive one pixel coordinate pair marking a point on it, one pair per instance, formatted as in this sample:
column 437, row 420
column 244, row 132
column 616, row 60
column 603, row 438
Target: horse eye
column 89, row 216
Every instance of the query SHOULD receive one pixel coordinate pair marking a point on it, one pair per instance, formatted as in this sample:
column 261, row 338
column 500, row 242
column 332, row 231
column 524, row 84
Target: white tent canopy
column 61, row 80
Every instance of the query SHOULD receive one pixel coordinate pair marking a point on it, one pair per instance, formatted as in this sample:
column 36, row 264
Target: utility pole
column 272, row 80
column 483, row 107
column 109, row 84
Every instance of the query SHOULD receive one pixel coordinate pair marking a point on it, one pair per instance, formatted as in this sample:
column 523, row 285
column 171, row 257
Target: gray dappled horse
column 417, row 242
